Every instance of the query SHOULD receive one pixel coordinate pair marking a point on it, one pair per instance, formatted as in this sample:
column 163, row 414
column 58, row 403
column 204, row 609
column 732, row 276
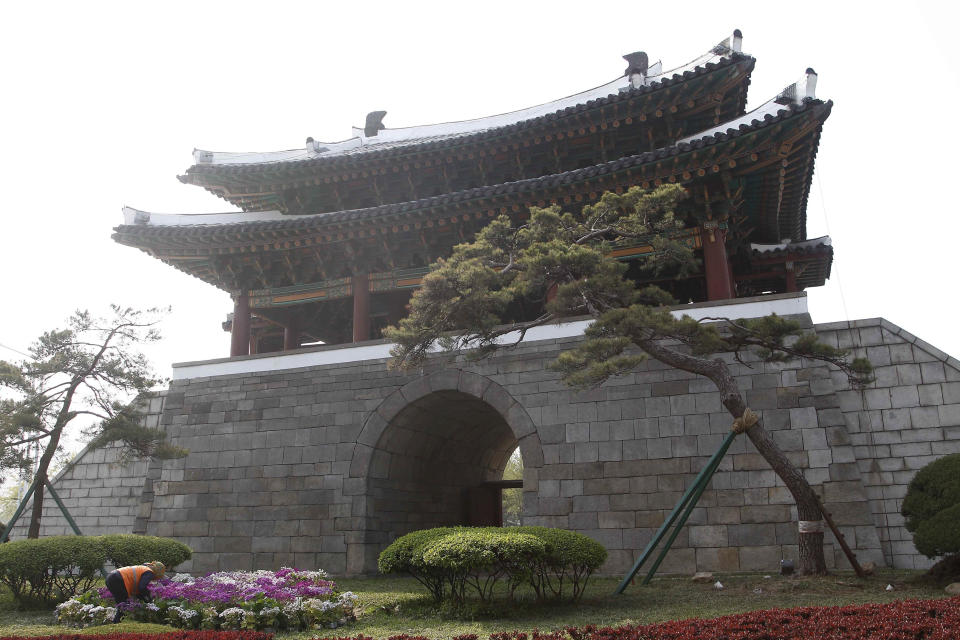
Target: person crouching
column 129, row 582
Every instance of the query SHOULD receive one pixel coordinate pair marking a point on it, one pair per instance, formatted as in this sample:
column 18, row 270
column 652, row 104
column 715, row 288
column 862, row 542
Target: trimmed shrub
column 477, row 557
column 571, row 559
column 932, row 507
column 45, row 571
column 939, row 535
column 405, row 555
column 124, row 550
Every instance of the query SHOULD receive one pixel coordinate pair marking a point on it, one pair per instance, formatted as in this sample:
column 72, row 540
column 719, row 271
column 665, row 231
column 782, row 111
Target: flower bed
column 903, row 620
column 173, row 635
column 251, row 600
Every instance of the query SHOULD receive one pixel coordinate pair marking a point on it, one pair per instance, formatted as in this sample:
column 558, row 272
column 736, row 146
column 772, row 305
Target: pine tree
column 562, row 259
column 93, row 370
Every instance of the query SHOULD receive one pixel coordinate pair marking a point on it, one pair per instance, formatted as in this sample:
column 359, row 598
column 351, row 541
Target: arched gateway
column 306, row 450
column 432, row 454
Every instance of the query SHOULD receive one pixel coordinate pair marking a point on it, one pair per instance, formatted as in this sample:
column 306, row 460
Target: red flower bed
column 904, row 620
column 173, row 635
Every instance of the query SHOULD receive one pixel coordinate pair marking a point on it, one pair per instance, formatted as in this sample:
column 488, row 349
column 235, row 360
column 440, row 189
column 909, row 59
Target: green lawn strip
column 393, row 606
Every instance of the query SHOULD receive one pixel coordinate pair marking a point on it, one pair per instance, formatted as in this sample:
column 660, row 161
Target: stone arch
column 428, row 451
column 466, row 382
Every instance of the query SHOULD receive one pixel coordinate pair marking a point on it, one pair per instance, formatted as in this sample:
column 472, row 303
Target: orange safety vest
column 131, row 577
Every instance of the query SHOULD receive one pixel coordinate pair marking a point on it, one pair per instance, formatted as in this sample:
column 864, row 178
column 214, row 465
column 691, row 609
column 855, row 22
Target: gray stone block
column 932, row 372
column 949, row 415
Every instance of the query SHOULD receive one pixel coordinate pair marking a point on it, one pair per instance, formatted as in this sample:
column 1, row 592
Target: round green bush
column 124, row 550
column 940, row 535
column 569, row 548
column 478, row 557
column 406, row 552
column 931, row 507
column 461, row 557
column 405, row 555
column 49, row 570
column 571, row 559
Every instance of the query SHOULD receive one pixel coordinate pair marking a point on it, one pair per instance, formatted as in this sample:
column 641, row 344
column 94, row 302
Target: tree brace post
column 18, row 512
column 687, row 502
column 690, row 497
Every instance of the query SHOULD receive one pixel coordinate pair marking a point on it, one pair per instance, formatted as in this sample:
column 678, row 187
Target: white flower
column 184, row 614
column 293, row 608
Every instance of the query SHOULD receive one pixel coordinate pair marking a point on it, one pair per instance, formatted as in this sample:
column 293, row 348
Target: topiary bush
column 572, row 558
column 45, row 571
column 405, row 555
column 479, row 557
column 476, row 558
column 932, row 507
column 124, row 550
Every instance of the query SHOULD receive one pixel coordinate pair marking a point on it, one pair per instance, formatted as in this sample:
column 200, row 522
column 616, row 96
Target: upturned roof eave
column 144, row 235
column 197, row 173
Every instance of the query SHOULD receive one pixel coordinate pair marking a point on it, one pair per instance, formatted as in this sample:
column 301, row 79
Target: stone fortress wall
column 322, row 466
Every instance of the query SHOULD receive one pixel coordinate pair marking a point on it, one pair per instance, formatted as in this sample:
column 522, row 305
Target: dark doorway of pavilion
column 440, row 462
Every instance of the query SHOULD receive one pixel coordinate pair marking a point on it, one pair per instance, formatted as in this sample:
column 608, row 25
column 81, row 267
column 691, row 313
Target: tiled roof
column 789, row 247
column 240, row 162
column 135, row 234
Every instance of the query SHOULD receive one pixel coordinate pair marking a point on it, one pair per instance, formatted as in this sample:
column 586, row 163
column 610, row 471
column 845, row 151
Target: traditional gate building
column 305, row 449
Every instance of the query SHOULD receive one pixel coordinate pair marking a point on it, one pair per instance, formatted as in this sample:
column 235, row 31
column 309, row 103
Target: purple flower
column 235, row 587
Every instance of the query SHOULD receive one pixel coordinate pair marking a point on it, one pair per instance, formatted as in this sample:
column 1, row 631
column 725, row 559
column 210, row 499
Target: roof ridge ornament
column 638, row 63
column 374, row 123
column 803, row 89
column 135, row 216
column 313, row 145
column 732, row 44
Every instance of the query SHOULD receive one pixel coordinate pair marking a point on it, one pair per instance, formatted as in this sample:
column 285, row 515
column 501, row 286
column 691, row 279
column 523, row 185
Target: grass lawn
column 391, row 606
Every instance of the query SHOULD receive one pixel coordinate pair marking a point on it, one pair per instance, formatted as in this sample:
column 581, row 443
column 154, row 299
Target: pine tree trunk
column 34, row 531
column 44, row 466
column 811, row 559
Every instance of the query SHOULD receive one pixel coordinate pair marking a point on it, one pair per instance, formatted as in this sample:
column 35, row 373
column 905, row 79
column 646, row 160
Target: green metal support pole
column 703, row 478
column 66, row 514
column 63, row 509
column 18, row 512
column 682, row 521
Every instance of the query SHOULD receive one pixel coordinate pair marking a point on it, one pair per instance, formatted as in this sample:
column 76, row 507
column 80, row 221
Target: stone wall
column 909, row 417
column 322, row 466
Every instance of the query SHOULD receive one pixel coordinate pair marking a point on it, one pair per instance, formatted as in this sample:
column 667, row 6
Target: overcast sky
column 104, row 103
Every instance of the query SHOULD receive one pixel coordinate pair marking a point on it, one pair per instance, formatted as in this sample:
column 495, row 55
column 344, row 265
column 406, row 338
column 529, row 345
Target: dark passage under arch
column 439, row 462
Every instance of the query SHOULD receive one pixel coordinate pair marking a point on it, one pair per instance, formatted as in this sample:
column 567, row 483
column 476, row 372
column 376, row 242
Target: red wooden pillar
column 240, row 334
column 361, row 308
column 291, row 333
column 791, row 278
column 716, row 264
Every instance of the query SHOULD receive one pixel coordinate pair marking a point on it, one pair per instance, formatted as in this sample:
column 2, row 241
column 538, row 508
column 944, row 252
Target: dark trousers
column 118, row 590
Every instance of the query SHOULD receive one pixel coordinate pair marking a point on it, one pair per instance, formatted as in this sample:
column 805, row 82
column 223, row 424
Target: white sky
column 103, row 103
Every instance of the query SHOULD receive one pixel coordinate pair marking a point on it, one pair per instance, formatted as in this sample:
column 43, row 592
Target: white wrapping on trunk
column 811, row 526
